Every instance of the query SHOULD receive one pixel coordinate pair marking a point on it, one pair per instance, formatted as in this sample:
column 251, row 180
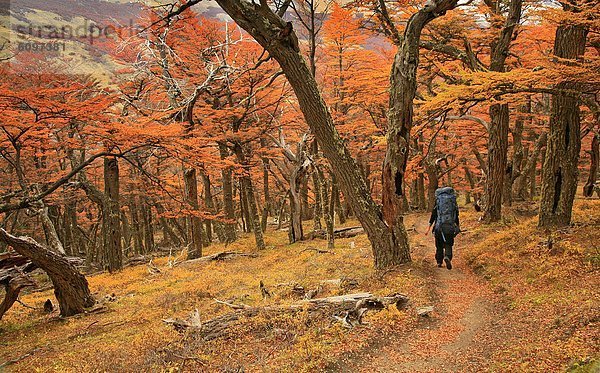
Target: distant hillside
column 71, row 33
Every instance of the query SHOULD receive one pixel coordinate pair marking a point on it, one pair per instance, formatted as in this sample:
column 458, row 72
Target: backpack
column 447, row 209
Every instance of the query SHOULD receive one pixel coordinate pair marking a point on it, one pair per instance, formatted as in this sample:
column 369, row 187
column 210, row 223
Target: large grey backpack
column 447, row 208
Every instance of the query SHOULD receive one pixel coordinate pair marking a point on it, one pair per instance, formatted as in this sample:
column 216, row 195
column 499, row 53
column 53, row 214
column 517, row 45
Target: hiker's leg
column 449, row 251
column 448, row 246
column 439, row 248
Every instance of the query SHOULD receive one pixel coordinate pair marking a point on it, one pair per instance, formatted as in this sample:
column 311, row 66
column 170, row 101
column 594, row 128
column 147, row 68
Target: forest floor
column 517, row 299
column 461, row 332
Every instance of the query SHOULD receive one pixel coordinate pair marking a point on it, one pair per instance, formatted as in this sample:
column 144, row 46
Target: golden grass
column 551, row 298
column 131, row 336
column 552, row 290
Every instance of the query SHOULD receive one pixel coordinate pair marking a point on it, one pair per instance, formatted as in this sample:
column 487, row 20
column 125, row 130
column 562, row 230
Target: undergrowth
column 132, row 336
column 550, row 281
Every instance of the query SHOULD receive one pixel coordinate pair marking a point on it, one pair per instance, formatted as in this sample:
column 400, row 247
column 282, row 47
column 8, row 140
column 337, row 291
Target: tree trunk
column 70, row 286
column 496, row 162
column 244, row 210
column 318, row 209
column 328, row 208
column 210, row 206
column 513, row 169
column 422, row 205
column 113, row 252
column 403, row 86
column 304, row 194
column 499, row 120
column 148, row 226
column 254, row 222
column 228, row 207
column 559, row 178
column 50, row 231
column 296, row 179
column 339, row 208
column 267, row 207
column 136, row 227
column 194, row 222
column 168, row 230
column 126, row 233
column 471, row 180
column 329, row 216
column 528, row 171
column 316, row 179
column 588, row 188
column 70, row 228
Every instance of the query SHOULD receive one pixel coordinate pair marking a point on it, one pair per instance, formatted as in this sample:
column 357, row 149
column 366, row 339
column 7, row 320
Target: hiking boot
column 439, row 265
column 448, row 262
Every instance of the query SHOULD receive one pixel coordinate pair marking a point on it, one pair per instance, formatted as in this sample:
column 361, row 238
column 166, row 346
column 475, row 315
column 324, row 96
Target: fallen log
column 346, row 232
column 137, row 260
column 70, row 286
column 317, row 250
column 224, row 255
column 348, row 309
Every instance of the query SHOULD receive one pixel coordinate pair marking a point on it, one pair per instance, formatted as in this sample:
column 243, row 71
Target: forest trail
column 461, row 332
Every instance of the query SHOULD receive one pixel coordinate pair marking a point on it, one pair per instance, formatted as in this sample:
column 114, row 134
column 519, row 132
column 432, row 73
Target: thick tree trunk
column 113, row 252
column 499, row 119
column 588, row 188
column 70, row 286
column 559, row 178
column 194, row 222
column 389, row 242
column 496, row 162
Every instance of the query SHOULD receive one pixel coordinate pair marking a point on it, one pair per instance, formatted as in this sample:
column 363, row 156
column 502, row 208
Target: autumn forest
column 240, row 185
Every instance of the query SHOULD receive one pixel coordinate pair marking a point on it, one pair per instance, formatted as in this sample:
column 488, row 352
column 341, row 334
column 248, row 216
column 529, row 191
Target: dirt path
column 460, row 334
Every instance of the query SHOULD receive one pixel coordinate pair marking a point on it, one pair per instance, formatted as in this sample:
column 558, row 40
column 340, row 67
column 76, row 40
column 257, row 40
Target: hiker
column 444, row 219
